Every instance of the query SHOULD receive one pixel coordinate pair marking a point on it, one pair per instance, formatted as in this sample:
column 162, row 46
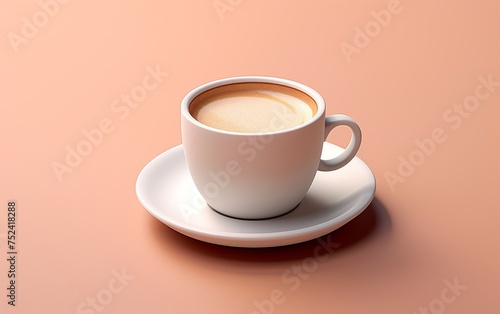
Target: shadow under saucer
column 373, row 222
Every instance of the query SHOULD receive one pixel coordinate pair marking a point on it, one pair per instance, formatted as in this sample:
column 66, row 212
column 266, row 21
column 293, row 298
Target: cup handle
column 341, row 160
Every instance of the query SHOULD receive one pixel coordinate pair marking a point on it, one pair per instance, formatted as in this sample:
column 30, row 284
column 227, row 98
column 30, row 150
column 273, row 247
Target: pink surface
column 422, row 78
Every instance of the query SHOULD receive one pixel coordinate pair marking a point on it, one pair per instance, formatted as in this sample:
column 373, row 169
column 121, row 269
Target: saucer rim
column 253, row 239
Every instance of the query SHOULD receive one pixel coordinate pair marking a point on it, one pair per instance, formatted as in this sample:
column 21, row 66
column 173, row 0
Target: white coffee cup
column 258, row 175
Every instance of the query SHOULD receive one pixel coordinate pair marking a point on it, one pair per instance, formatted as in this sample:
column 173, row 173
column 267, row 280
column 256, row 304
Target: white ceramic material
column 260, row 175
column 166, row 190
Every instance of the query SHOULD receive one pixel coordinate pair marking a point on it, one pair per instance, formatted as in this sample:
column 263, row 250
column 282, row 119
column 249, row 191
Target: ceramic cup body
column 259, row 175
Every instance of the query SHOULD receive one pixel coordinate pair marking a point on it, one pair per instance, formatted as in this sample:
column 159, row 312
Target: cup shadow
column 373, row 222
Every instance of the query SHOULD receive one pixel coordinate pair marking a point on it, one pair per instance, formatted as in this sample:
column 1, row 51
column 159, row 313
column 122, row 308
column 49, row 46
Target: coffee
column 253, row 107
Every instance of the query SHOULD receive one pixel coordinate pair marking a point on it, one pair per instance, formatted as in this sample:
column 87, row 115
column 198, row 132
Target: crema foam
column 253, row 107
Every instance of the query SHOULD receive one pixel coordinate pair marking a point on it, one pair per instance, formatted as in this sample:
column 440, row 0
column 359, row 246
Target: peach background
column 439, row 224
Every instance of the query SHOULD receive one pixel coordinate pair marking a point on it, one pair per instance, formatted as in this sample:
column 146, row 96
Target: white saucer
column 165, row 188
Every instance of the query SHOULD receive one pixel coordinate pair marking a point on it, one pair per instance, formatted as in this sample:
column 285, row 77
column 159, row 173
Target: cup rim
column 318, row 99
